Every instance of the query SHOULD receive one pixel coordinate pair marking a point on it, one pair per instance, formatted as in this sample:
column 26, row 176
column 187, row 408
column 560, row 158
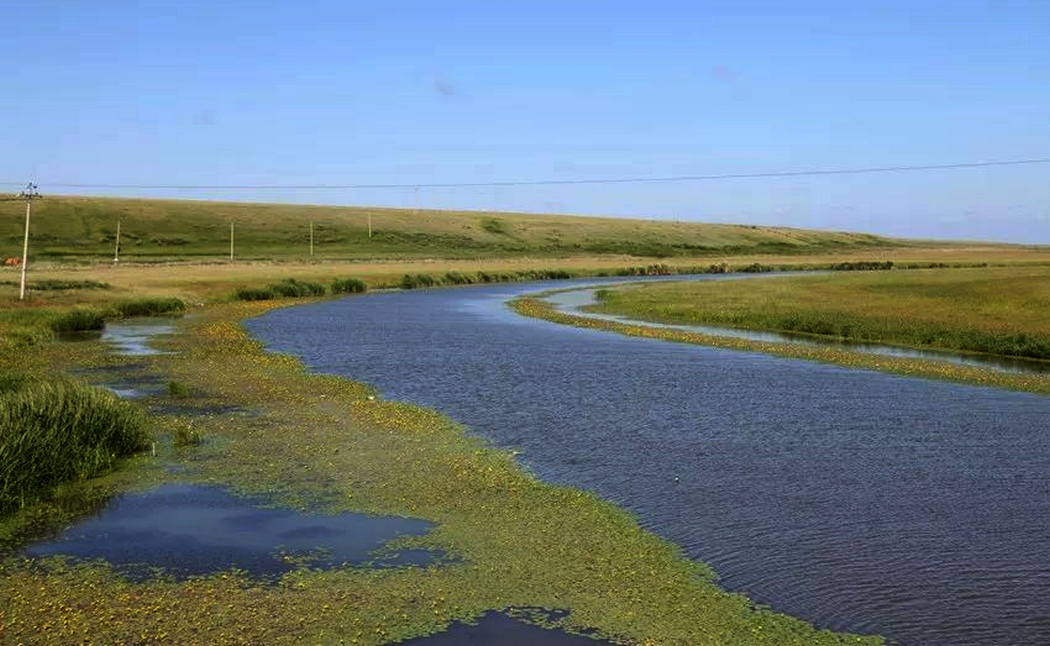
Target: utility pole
column 231, row 240
column 116, row 248
column 311, row 238
column 29, row 194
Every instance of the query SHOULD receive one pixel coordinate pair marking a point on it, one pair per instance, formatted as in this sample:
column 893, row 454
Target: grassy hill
column 86, row 228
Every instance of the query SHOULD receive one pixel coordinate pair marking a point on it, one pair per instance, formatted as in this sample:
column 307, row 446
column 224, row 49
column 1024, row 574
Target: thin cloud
column 445, row 87
column 724, row 74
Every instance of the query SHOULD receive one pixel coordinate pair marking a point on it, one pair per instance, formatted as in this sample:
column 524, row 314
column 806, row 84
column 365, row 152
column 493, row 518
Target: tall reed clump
column 349, row 286
column 58, row 431
column 413, row 281
column 287, row 288
column 80, row 319
column 148, row 306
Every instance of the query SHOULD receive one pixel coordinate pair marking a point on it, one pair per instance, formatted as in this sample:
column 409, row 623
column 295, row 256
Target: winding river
column 856, row 500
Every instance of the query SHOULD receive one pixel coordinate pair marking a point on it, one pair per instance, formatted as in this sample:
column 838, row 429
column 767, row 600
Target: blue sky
column 413, row 92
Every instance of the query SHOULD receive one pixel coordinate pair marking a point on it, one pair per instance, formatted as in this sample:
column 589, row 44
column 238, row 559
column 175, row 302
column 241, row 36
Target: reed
column 348, row 286
column 52, row 432
column 148, row 306
column 78, row 319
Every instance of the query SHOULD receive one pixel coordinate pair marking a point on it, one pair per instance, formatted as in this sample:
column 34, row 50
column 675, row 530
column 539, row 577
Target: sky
column 411, row 93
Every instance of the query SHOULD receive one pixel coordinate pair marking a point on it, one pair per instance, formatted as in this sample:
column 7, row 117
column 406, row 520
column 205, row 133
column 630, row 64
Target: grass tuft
column 52, row 432
column 287, row 288
column 348, row 286
column 79, row 319
column 178, row 390
column 148, row 306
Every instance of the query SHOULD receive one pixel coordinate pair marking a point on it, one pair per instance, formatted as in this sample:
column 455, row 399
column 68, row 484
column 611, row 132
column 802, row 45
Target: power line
column 553, row 182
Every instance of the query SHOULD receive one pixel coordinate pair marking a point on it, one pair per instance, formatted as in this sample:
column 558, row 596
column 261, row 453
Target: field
column 523, row 542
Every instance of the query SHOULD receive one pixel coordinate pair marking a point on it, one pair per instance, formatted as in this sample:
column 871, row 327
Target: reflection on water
column 194, row 530
column 857, row 500
column 132, row 336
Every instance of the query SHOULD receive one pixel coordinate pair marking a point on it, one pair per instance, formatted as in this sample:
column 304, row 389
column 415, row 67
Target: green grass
column 999, row 311
column 287, row 288
column 348, row 286
column 85, row 228
column 78, row 319
column 52, row 432
column 147, row 306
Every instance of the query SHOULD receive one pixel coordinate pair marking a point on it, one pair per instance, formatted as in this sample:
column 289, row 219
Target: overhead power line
column 552, row 182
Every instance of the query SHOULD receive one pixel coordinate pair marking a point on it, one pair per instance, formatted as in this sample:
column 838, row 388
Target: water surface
column 857, row 500
column 187, row 530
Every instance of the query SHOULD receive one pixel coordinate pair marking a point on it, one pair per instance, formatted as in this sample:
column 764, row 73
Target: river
column 856, row 500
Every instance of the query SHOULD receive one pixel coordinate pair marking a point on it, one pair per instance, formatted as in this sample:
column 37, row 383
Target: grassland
column 86, row 228
column 1000, row 311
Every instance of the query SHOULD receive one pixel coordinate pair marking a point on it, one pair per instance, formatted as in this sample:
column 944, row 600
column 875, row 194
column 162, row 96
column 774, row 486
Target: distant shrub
column 292, row 288
column 494, row 225
column 148, row 306
column 719, row 268
column 80, row 319
column 412, row 281
column 649, row 270
column 59, row 285
column 863, row 265
column 288, row 288
column 255, row 294
column 457, row 278
column 755, row 268
column 348, row 286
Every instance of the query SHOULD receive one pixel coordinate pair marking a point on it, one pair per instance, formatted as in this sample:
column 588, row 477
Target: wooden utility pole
column 29, row 194
column 116, row 248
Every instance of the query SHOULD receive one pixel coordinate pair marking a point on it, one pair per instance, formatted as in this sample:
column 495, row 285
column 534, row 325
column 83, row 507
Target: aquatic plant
column 287, row 288
column 348, row 286
column 184, row 434
column 178, row 390
column 148, row 306
column 255, row 293
column 294, row 288
column 61, row 430
column 78, row 319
